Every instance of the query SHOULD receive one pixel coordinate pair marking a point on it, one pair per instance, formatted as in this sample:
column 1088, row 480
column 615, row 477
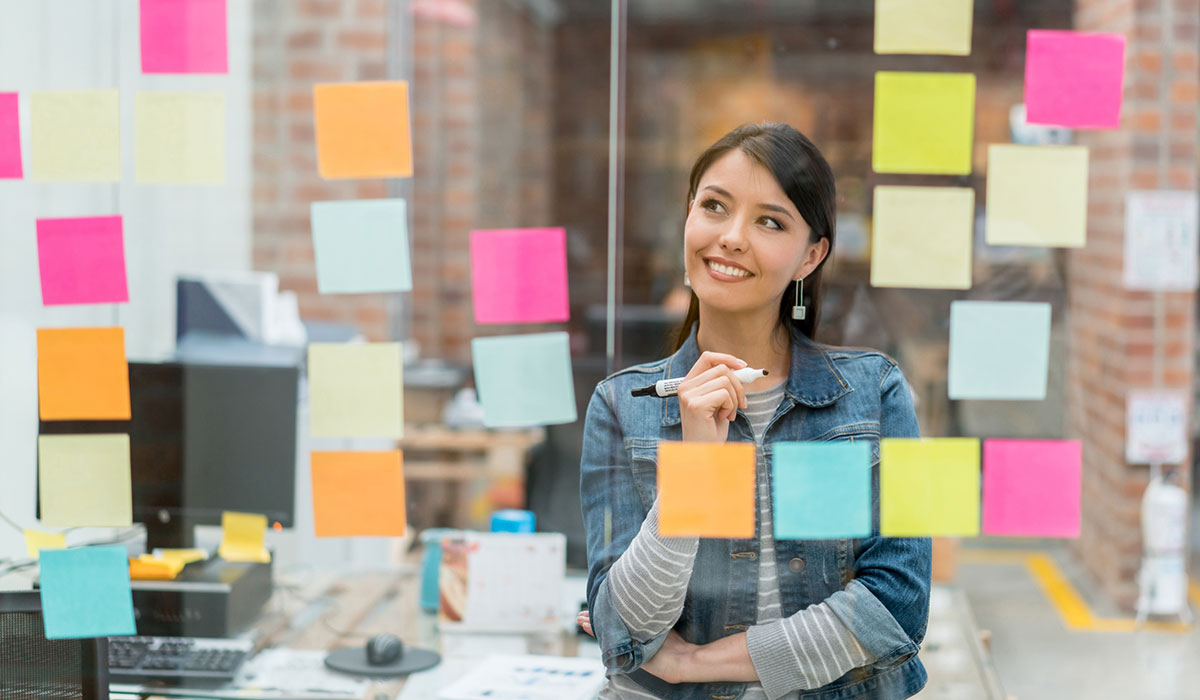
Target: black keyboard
column 175, row 660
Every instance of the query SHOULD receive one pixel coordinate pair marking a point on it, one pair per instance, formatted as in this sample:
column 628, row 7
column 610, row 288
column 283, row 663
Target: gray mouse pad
column 353, row 660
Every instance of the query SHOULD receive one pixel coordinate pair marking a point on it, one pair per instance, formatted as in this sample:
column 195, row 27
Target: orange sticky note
column 363, row 130
column 706, row 489
column 358, row 494
column 82, row 374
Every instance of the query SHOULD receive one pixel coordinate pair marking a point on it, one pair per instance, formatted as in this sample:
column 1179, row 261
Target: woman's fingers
column 717, row 395
column 709, row 360
column 585, row 621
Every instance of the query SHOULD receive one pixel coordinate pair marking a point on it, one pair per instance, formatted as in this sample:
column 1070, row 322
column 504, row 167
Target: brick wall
column 1112, row 331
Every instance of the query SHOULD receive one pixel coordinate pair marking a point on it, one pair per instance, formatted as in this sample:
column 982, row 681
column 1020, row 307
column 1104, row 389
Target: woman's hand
column 672, row 662
column 710, row 396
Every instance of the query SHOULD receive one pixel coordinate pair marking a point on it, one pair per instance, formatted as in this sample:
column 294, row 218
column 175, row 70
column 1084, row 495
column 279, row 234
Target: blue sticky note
column 361, row 246
column 524, row 380
column 85, row 592
column 822, row 490
column 999, row 350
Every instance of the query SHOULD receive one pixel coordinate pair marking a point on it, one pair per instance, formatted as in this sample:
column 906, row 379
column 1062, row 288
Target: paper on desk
column 529, row 678
column 297, row 672
column 242, row 537
column 36, row 541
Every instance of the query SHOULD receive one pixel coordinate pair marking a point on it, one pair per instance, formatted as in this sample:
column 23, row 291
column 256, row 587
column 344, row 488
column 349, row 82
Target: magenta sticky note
column 82, row 261
column 1074, row 79
column 520, row 275
column 10, row 137
column 184, row 36
column 1031, row 488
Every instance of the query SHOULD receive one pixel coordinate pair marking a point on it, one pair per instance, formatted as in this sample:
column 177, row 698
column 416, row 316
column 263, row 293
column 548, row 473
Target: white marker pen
column 670, row 387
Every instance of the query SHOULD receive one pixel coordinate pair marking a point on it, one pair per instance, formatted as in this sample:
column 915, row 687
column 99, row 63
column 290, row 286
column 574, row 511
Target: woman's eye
column 771, row 223
column 713, row 206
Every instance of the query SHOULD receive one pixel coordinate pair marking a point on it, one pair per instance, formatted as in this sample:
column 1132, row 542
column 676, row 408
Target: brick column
column 1112, row 343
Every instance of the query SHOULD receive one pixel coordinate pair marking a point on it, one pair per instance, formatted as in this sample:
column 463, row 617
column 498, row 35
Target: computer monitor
column 204, row 439
column 33, row 667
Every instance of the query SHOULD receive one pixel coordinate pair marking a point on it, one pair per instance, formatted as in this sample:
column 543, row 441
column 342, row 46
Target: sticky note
column 1074, row 79
column 356, row 389
column 358, row 494
column 524, row 380
column 75, row 136
column 184, row 36
column 83, row 480
column 179, row 138
column 821, row 490
column 1031, row 488
column 242, row 536
column 924, row 123
column 36, row 541
column 706, row 489
column 361, row 246
column 929, row 487
column 999, row 350
column 82, row 374
column 10, row 137
column 924, row 26
column 922, row 237
column 520, row 275
column 147, row 567
column 363, row 130
column 1037, row 196
column 85, row 592
column 184, row 556
column 82, row 260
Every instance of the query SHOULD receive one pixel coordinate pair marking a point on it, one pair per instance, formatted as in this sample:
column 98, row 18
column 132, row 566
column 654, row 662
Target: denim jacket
column 878, row 587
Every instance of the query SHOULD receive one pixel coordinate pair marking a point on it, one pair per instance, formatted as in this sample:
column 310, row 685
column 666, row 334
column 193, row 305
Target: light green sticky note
column 922, row 237
column 361, row 246
column 75, row 136
column 356, row 389
column 924, row 26
column 924, row 123
column 929, row 487
column 524, row 380
column 179, row 138
column 1037, row 196
column 83, row 480
column 999, row 350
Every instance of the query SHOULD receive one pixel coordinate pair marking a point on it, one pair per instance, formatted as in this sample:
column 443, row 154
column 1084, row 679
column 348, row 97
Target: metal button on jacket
column 796, row 565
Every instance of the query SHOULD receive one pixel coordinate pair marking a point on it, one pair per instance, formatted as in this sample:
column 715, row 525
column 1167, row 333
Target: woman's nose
column 734, row 236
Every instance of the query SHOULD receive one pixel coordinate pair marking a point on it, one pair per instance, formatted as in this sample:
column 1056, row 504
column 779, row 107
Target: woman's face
column 744, row 240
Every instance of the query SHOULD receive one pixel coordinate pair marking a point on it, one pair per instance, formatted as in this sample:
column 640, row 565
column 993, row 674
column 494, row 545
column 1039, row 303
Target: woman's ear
column 815, row 255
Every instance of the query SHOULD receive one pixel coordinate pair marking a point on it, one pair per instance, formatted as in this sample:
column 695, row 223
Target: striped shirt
column 649, row 582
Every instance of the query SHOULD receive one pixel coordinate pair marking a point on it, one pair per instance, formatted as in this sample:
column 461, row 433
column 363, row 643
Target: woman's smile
column 726, row 271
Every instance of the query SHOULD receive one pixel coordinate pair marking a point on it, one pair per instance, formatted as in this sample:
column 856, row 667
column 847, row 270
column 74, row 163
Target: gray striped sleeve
column 806, row 650
column 649, row 580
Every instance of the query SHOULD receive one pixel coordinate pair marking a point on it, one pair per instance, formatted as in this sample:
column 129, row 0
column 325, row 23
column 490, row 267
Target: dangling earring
column 799, row 310
column 687, row 281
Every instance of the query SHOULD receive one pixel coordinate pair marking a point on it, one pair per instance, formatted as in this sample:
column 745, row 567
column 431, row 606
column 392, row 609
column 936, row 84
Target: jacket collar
column 812, row 379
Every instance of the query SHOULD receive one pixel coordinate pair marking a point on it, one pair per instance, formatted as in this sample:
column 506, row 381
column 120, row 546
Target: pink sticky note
column 1031, row 488
column 82, row 261
column 184, row 36
column 10, row 137
column 520, row 275
column 1074, row 79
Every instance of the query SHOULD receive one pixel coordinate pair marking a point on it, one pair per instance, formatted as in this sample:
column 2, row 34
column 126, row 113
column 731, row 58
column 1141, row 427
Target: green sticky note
column 85, row 592
column 1037, row 196
column 999, row 350
column 76, row 136
column 361, row 246
column 83, row 480
column 356, row 389
column 929, row 487
column 524, row 380
column 924, row 123
column 922, row 237
column 822, row 490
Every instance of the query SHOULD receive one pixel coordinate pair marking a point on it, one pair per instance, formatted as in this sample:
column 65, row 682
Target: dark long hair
column 807, row 180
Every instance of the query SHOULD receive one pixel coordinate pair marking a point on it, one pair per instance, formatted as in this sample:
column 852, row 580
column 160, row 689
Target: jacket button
column 796, row 565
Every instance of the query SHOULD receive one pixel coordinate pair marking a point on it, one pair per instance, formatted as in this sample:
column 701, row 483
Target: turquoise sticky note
column 85, row 592
column 524, row 380
column 361, row 246
column 999, row 350
column 821, row 490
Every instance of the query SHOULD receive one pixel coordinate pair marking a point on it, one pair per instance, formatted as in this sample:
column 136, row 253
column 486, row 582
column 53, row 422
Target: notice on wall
column 1160, row 240
column 1156, row 426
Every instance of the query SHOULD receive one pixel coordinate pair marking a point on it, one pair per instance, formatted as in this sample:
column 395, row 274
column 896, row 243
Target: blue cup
column 517, row 521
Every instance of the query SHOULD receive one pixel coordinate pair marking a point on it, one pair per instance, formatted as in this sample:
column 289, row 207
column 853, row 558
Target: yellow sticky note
column 75, row 136
column 924, row 26
column 922, row 237
column 924, row 123
column 36, row 541
column 179, row 138
column 83, row 480
column 184, row 556
column 706, row 489
column 149, row 567
column 356, row 389
column 1037, row 196
column 929, row 487
column 242, row 536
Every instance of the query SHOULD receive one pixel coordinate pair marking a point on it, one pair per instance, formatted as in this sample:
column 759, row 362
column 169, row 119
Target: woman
column 688, row 618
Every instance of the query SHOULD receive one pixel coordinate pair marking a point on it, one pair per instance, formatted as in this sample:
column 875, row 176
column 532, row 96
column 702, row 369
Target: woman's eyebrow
column 768, row 207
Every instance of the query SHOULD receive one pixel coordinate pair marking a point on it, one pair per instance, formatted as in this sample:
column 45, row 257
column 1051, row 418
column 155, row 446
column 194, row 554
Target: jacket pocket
column 643, row 459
